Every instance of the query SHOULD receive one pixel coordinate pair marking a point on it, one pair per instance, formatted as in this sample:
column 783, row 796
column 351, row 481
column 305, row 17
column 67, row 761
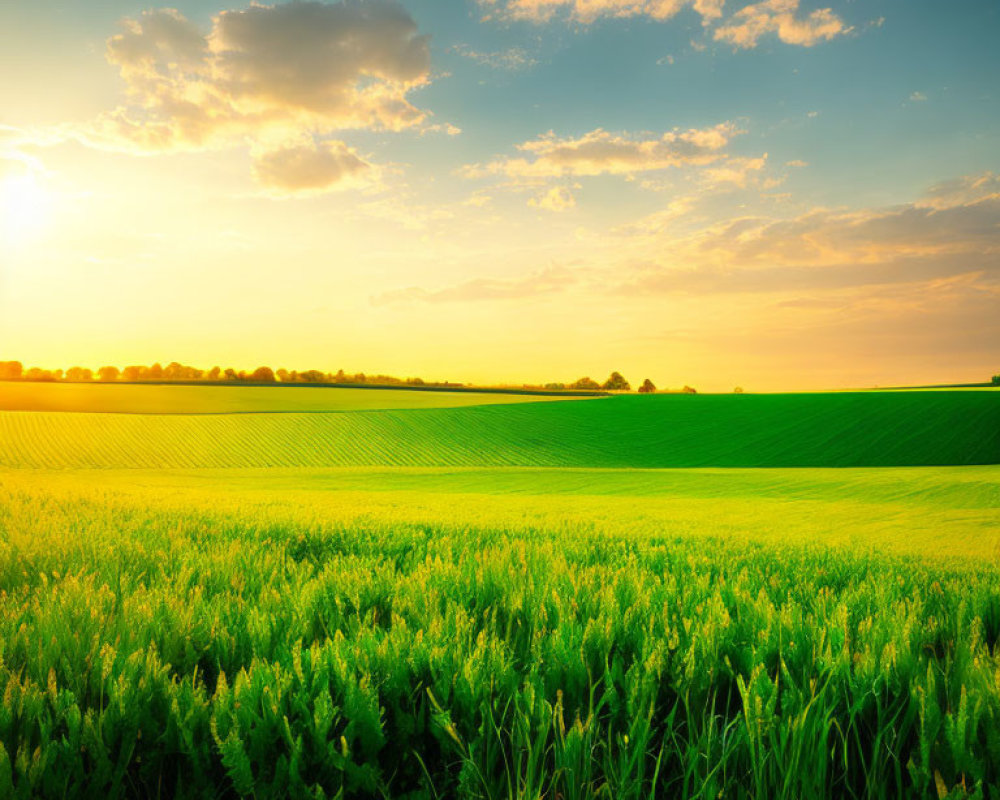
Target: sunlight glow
column 25, row 206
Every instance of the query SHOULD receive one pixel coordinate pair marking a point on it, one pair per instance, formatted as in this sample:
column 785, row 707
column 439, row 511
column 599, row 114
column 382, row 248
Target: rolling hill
column 792, row 430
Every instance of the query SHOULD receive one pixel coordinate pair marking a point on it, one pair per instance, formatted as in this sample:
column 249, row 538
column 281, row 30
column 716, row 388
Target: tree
column 11, row 370
column 231, row 374
column 738, row 390
column 689, row 390
column 585, row 383
column 648, row 387
column 616, row 383
column 214, row 374
column 79, row 374
column 108, row 374
column 312, row 376
column 38, row 374
column 131, row 373
column 995, row 381
column 262, row 375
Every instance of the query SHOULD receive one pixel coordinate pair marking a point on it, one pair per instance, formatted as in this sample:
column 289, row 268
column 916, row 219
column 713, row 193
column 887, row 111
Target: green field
column 578, row 599
column 806, row 430
column 132, row 398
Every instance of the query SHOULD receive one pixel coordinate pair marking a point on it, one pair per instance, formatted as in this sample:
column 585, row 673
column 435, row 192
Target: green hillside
column 157, row 398
column 794, row 430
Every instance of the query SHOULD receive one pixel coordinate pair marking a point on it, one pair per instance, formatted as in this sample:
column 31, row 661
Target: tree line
column 177, row 372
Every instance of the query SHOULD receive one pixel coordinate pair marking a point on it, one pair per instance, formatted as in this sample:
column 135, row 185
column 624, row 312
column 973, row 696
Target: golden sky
column 771, row 195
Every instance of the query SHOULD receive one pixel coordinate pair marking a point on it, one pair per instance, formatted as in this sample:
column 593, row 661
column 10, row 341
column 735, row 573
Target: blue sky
column 721, row 189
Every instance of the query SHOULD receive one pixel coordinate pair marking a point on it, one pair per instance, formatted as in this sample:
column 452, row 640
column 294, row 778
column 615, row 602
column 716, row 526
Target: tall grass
column 160, row 651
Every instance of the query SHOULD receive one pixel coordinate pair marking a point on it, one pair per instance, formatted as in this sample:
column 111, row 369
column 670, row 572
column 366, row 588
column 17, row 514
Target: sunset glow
column 777, row 195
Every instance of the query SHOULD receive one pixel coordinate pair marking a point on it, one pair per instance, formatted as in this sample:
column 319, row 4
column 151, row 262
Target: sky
column 777, row 195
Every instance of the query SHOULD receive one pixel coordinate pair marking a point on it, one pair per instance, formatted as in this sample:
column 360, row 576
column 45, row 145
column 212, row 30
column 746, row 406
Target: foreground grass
column 490, row 633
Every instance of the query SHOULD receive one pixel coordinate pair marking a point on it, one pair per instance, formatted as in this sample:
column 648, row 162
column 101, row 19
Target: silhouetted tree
column 79, row 374
column 585, row 383
column 230, row 374
column 616, row 383
column 312, row 376
column 11, row 370
column 214, row 374
column 108, row 374
column 262, row 375
column 648, row 387
column 554, row 386
column 995, row 381
column 689, row 390
column 738, row 390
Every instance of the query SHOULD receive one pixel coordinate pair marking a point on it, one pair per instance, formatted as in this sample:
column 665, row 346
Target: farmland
column 584, row 598
column 809, row 430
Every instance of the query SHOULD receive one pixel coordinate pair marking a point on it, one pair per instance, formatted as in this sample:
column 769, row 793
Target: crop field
column 601, row 598
column 808, row 430
column 186, row 399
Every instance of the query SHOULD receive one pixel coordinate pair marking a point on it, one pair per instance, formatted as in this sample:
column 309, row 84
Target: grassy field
column 807, row 430
column 109, row 398
column 490, row 603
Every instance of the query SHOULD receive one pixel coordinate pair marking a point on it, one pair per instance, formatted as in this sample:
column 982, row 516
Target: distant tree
column 214, row 374
column 648, row 387
column 738, row 390
column 312, row 376
column 230, row 374
column 552, row 387
column 77, row 374
column 616, row 383
column 46, row 375
column 415, row 381
column 11, row 370
column 585, row 383
column 108, row 374
column 154, row 373
column 262, row 375
column 283, row 375
column 132, row 373
column 689, row 390
column 995, row 381
column 340, row 377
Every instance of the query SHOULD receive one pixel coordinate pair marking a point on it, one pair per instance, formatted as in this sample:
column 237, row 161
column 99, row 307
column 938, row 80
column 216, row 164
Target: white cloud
column 603, row 153
column 513, row 59
column 587, row 11
column 746, row 27
column 557, row 199
column 309, row 168
column 264, row 71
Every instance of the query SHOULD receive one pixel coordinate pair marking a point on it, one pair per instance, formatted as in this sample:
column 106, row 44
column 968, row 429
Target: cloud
column 745, row 28
column 734, row 171
column 603, row 153
column 954, row 229
column 309, row 168
column 918, row 97
column 587, row 11
column 557, row 199
column 513, row 59
column 264, row 71
column 547, row 281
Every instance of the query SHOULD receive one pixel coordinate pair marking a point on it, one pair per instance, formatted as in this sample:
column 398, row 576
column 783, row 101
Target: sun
column 25, row 206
